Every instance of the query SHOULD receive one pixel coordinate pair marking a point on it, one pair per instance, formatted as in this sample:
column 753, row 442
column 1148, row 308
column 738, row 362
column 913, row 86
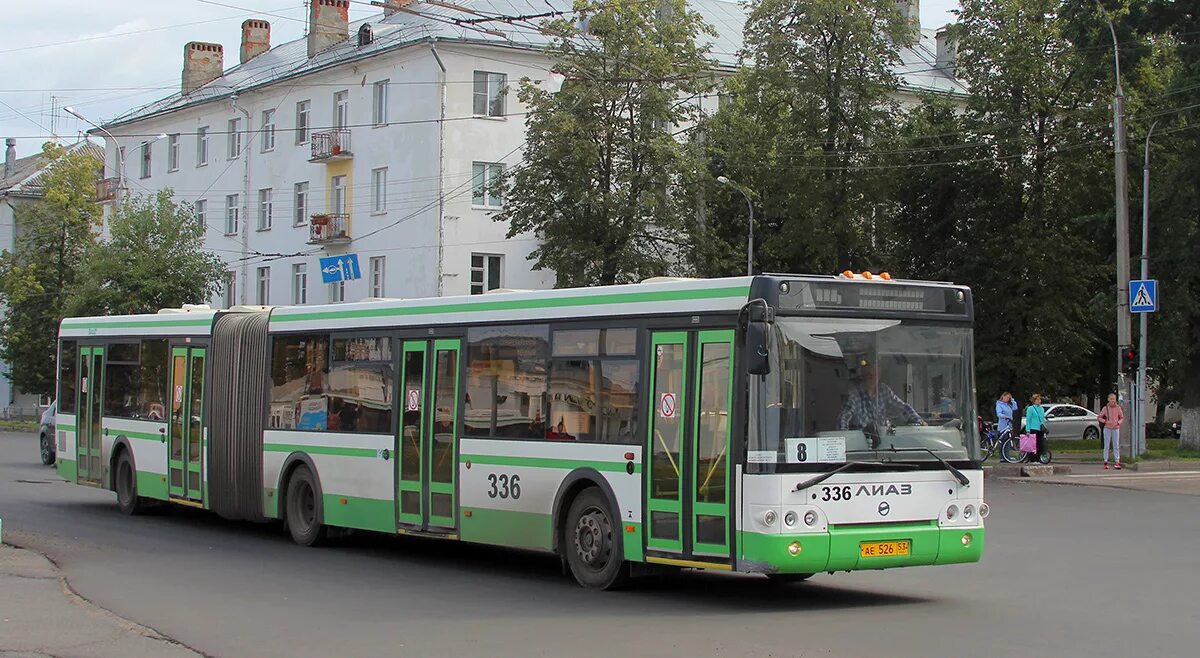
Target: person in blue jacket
column 1006, row 409
column 1035, row 422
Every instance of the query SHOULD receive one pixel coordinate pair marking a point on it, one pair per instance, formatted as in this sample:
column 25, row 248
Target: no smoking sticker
column 412, row 400
column 667, row 405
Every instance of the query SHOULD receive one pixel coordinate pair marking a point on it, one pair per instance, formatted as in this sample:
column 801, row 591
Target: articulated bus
column 779, row 424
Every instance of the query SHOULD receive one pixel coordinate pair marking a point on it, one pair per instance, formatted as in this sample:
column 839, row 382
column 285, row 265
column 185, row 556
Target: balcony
column 329, row 229
column 330, row 146
column 106, row 190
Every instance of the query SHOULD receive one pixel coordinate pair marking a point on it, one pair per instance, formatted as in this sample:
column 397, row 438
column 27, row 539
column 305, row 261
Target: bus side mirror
column 758, row 333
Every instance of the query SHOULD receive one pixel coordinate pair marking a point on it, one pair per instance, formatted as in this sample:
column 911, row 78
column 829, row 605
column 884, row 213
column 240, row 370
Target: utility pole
column 1124, row 319
column 724, row 180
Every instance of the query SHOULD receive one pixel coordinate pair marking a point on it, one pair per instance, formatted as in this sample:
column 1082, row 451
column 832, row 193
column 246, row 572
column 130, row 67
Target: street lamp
column 1139, row 431
column 116, row 145
column 750, row 240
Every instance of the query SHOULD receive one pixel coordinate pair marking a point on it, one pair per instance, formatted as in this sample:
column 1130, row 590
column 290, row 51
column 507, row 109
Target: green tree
column 1174, row 334
column 153, row 259
column 605, row 183
column 54, row 231
column 1042, row 182
column 801, row 126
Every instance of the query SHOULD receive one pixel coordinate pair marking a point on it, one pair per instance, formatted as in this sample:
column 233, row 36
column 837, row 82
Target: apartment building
column 380, row 139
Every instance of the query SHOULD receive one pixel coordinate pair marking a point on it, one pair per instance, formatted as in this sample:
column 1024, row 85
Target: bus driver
column 870, row 404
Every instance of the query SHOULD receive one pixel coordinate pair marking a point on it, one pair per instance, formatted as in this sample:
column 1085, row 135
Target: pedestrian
column 1035, row 422
column 1006, row 406
column 1111, row 417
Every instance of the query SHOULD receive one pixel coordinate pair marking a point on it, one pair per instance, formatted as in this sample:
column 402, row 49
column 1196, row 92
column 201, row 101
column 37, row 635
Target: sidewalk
column 1180, row 477
column 41, row 616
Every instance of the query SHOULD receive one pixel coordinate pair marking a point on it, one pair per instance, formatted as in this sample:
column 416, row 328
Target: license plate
column 884, row 548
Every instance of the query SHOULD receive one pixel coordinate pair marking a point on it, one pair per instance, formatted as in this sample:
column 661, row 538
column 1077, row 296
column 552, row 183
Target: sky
column 103, row 57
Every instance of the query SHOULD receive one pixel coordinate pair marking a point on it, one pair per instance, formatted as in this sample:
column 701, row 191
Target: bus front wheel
column 591, row 542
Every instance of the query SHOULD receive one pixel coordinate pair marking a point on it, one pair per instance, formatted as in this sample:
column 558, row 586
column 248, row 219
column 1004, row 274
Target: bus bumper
column 839, row 549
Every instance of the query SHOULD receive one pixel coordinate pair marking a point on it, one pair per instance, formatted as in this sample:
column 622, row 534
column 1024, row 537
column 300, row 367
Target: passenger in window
column 871, row 405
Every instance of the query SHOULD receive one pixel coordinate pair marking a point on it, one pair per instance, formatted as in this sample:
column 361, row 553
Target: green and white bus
column 778, row 424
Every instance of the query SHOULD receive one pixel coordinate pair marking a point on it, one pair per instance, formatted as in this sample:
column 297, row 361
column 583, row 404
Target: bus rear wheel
column 591, row 542
column 127, row 497
column 303, row 522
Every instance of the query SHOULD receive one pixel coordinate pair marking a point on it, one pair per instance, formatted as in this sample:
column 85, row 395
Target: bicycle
column 1010, row 451
column 989, row 439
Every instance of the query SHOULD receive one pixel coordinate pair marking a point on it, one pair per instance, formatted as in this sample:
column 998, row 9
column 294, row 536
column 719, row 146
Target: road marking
column 1130, row 476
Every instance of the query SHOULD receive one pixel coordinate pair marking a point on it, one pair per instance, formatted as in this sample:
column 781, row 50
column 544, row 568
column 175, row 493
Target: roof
column 194, row 322
column 30, row 171
column 917, row 69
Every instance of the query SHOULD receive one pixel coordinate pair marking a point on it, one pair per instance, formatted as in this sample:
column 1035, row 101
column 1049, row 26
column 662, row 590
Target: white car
column 1069, row 421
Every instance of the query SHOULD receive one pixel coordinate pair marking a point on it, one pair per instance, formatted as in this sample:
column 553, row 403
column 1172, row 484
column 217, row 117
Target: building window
column 379, row 189
column 230, row 289
column 264, row 209
column 489, row 94
column 337, row 292
column 202, row 146
column 300, row 283
column 486, row 270
column 302, row 121
column 268, row 130
column 485, row 184
column 262, row 295
column 173, row 152
column 232, row 214
column 339, row 195
column 341, row 109
column 234, row 139
column 301, row 204
column 376, row 265
column 145, row 159
column 379, row 103
column 202, row 214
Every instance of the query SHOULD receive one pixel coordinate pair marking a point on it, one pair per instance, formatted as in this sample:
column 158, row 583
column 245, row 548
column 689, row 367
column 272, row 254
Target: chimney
column 910, row 11
column 947, row 49
column 328, row 24
column 10, row 156
column 256, row 39
column 202, row 63
column 392, row 6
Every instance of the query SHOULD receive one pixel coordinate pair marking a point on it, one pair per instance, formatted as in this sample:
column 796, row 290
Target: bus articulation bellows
column 778, row 424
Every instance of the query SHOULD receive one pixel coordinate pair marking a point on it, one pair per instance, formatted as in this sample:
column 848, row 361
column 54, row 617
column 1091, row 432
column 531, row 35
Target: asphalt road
column 1068, row 571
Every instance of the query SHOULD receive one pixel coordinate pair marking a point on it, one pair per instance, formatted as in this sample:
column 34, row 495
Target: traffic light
column 1129, row 360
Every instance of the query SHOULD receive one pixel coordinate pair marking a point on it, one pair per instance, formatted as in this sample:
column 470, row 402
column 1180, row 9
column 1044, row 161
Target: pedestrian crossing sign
column 1143, row 296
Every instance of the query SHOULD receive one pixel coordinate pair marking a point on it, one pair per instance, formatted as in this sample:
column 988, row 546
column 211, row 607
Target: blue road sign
column 340, row 268
column 1143, row 296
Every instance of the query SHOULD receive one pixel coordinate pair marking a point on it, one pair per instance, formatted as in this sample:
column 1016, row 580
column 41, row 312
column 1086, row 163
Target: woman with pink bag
column 1111, row 417
column 1035, row 423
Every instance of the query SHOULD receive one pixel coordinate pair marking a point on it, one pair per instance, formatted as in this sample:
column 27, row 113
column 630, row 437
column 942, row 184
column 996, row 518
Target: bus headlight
column 984, row 510
column 769, row 517
column 952, row 512
column 968, row 512
column 810, row 518
column 789, row 519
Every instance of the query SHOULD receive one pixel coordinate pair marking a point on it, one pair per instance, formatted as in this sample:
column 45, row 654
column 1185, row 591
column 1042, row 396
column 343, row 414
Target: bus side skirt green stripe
column 321, row 450
column 546, row 462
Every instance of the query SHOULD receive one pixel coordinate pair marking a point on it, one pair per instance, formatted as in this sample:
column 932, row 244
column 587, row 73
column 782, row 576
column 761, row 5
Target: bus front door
column 426, row 450
column 185, row 432
column 688, row 480
column 88, row 432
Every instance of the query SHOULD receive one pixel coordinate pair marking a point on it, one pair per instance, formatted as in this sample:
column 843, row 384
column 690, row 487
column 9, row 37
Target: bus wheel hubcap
column 591, row 538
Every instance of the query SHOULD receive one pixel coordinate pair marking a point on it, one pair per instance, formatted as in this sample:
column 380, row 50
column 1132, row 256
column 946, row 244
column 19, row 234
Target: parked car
column 1069, row 421
column 46, row 435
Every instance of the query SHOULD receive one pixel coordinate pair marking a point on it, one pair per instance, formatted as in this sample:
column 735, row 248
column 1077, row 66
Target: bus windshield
column 868, row 390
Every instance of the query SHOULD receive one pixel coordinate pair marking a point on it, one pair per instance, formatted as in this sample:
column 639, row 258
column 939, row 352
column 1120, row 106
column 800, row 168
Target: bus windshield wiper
column 818, row 479
column 958, row 475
